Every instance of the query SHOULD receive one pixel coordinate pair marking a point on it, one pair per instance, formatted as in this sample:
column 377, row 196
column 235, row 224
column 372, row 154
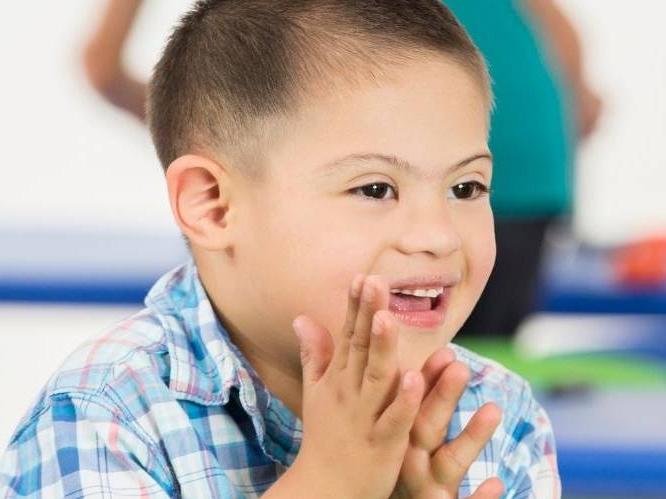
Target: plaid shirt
column 164, row 405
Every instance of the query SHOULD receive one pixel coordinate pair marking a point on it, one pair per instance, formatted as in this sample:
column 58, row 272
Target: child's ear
column 199, row 194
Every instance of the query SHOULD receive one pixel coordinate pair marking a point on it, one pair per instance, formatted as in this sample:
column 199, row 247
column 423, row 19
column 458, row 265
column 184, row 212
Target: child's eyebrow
column 362, row 159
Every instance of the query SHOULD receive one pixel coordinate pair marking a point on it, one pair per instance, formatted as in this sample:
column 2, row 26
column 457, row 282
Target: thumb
column 316, row 348
column 490, row 489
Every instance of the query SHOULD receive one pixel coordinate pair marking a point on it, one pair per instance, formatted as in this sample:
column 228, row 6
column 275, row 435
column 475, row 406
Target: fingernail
column 357, row 283
column 297, row 325
column 447, row 355
column 368, row 292
column 408, row 380
column 377, row 325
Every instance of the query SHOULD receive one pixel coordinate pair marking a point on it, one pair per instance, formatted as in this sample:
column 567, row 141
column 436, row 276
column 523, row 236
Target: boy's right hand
column 357, row 411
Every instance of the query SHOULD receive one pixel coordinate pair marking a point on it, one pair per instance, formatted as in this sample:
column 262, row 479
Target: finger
column 341, row 353
column 433, row 367
column 396, row 421
column 493, row 488
column 374, row 297
column 452, row 460
column 381, row 373
column 439, row 405
column 316, row 347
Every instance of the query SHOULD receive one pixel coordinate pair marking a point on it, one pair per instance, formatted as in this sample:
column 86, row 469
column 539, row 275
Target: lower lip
column 426, row 319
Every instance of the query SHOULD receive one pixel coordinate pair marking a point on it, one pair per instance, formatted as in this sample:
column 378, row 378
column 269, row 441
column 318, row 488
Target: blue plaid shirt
column 164, row 405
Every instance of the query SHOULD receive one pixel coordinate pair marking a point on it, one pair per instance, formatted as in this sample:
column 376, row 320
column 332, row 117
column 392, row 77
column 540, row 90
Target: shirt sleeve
column 529, row 469
column 77, row 447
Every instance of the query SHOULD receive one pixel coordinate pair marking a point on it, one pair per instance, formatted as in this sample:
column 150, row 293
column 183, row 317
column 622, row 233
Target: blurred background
column 85, row 226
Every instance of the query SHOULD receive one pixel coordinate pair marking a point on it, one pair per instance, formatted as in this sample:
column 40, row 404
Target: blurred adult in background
column 544, row 108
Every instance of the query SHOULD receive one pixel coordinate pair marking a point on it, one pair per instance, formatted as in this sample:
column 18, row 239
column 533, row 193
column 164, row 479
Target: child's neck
column 277, row 363
column 278, row 378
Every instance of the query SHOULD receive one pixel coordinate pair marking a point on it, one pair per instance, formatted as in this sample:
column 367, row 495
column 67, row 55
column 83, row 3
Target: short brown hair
column 230, row 65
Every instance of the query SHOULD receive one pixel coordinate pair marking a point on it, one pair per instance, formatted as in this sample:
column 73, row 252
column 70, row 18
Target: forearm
column 561, row 37
column 115, row 24
column 564, row 44
column 298, row 483
column 103, row 55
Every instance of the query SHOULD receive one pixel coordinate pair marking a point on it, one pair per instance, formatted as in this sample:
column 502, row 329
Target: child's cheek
column 481, row 249
column 487, row 260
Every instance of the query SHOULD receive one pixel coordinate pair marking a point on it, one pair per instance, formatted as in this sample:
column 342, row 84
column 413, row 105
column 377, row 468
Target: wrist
column 312, row 479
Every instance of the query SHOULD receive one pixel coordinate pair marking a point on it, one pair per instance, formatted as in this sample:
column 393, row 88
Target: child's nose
column 430, row 230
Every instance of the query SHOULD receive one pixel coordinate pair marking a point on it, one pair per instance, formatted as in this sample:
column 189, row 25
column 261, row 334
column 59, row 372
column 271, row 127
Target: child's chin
column 412, row 355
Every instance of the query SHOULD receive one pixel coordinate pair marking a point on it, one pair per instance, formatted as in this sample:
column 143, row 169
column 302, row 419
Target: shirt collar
column 206, row 365
column 479, row 369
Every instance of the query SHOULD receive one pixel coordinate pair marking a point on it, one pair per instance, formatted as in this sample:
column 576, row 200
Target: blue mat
column 84, row 267
column 611, row 443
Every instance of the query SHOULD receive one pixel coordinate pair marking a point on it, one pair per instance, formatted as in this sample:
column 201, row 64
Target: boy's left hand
column 433, row 469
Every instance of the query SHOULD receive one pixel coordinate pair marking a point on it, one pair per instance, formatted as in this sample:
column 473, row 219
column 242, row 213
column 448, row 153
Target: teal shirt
column 532, row 133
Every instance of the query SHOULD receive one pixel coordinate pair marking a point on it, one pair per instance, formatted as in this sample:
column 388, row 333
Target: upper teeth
column 430, row 293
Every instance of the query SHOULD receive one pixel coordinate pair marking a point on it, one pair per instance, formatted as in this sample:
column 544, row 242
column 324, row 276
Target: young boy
column 327, row 162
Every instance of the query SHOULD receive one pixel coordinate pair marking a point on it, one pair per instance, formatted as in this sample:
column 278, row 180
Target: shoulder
column 135, row 344
column 491, row 379
column 523, row 419
column 171, row 352
column 91, row 408
column 522, row 415
column 522, row 450
column 108, row 371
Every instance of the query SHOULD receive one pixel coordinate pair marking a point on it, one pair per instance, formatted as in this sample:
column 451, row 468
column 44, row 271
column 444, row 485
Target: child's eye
column 468, row 190
column 376, row 190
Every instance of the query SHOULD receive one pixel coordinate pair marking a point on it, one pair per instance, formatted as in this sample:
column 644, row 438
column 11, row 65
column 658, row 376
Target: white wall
column 621, row 184
column 68, row 160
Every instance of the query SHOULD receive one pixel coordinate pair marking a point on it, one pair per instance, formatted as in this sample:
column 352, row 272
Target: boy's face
column 311, row 227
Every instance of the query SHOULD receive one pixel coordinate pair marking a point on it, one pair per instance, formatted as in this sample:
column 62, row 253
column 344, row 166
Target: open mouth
column 402, row 302
column 419, row 308
column 424, row 312
column 422, row 301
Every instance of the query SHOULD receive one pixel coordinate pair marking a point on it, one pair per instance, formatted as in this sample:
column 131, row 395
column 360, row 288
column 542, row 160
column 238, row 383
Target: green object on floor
column 589, row 370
